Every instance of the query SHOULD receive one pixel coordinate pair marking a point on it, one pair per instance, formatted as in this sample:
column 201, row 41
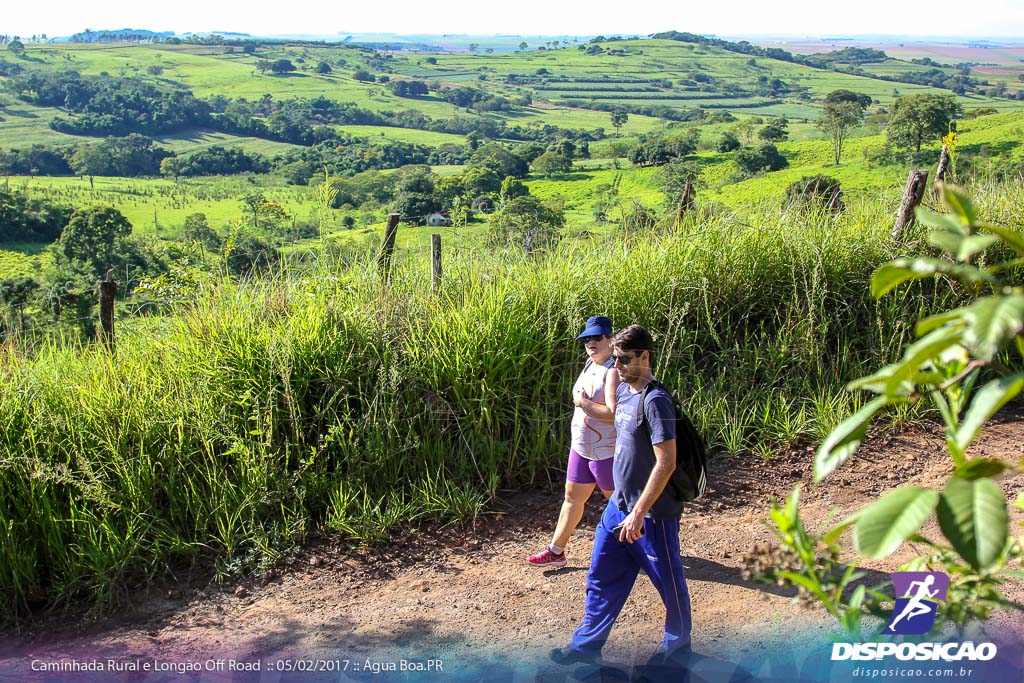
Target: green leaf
column 957, row 201
column 833, row 534
column 979, row 468
column 857, row 599
column 990, row 321
column 901, row 270
column 960, row 246
column 932, row 322
column 1014, row 239
column 886, row 523
column 845, row 439
column 940, row 221
column 899, row 378
column 987, row 401
column 972, row 515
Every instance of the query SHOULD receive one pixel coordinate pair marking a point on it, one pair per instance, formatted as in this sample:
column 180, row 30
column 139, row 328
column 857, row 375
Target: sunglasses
column 592, row 338
column 624, row 358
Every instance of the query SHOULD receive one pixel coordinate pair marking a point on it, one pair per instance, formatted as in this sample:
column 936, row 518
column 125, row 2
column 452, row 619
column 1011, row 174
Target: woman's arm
column 605, row 412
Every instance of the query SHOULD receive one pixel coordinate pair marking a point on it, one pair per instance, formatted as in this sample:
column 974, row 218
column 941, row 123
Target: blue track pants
column 613, row 570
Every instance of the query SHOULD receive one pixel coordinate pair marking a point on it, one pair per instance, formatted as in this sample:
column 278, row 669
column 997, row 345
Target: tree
column 16, row 48
column 499, row 159
column 479, row 180
column 728, row 142
column 552, row 163
column 323, row 68
column 752, row 161
column 836, row 120
column 270, row 212
column 842, row 95
column 776, row 130
column 675, row 175
column 660, row 149
column 415, row 199
column 246, row 254
column 619, row 118
column 512, row 188
column 89, row 241
column 915, row 118
column 816, row 191
column 282, row 66
column 523, row 45
column 197, row 229
column 252, row 202
column 528, row 223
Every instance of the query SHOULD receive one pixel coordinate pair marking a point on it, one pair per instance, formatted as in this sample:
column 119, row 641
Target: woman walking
column 593, row 438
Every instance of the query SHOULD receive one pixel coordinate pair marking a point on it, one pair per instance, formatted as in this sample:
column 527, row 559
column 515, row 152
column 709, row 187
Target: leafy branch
column 953, row 350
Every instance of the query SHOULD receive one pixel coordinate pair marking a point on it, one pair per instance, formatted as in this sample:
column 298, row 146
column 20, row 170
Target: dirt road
column 464, row 599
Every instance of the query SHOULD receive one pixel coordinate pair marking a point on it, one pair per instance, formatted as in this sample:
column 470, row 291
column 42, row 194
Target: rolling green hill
column 564, row 84
column 558, row 87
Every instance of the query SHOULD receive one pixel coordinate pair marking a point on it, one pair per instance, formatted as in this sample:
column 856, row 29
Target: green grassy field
column 419, row 137
column 194, row 140
column 159, row 206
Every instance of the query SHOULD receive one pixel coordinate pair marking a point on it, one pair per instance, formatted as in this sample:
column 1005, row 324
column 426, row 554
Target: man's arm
column 664, row 465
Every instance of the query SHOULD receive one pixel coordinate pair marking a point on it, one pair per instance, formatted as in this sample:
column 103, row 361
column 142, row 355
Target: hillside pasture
column 194, row 140
column 159, row 206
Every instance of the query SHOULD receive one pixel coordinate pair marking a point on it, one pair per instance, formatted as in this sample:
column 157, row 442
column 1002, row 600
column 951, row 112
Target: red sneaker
column 547, row 559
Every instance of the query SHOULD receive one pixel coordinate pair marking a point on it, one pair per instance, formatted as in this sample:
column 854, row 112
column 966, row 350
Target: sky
column 798, row 18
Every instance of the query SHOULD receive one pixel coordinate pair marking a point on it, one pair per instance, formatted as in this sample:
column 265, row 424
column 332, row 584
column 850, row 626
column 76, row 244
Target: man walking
column 640, row 527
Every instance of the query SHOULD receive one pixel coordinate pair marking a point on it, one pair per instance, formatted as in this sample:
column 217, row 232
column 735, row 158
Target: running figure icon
column 916, row 606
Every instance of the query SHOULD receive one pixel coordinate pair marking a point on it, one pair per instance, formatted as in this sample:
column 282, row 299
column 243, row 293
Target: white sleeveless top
column 592, row 438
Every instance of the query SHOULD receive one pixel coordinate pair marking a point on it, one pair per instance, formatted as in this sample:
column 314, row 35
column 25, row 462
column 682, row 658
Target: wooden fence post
column 912, row 196
column 940, row 172
column 685, row 202
column 388, row 247
column 108, row 289
column 435, row 263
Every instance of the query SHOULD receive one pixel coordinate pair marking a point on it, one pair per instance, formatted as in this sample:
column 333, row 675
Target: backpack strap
column 641, row 418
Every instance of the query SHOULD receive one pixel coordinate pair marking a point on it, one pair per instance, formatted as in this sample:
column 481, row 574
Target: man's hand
column 632, row 527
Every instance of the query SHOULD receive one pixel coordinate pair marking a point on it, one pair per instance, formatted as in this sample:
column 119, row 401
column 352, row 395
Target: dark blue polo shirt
column 634, row 448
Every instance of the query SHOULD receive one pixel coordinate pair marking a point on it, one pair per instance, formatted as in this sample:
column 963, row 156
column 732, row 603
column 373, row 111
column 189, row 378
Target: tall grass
column 316, row 400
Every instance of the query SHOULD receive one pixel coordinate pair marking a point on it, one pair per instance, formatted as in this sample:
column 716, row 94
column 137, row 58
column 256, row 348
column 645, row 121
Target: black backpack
column 690, row 477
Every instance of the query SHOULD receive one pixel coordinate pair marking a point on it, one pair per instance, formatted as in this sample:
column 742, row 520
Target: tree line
column 104, row 106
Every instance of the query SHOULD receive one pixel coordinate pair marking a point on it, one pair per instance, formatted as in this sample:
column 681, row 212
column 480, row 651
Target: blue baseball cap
column 597, row 324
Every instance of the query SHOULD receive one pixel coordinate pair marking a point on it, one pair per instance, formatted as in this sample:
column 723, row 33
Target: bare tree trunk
column 388, row 247
column 912, row 196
